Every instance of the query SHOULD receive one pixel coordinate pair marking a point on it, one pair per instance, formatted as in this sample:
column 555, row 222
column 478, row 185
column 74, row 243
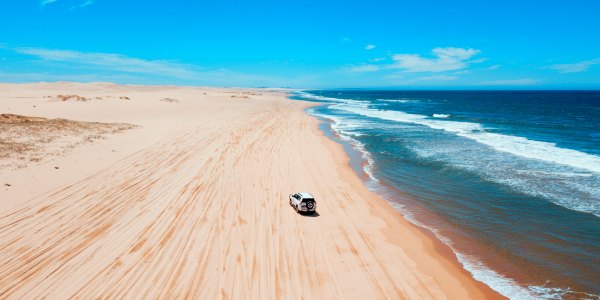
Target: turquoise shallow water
column 510, row 180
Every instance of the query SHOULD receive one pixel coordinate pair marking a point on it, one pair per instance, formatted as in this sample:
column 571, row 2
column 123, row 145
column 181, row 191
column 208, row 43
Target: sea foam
column 347, row 129
column 441, row 116
column 566, row 177
column 516, row 145
column 327, row 99
column 346, row 132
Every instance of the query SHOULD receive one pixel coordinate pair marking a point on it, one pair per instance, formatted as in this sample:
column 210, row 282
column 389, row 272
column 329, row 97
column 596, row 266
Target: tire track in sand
column 204, row 213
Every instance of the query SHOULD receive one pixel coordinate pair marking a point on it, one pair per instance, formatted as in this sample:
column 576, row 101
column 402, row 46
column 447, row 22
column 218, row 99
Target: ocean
column 510, row 180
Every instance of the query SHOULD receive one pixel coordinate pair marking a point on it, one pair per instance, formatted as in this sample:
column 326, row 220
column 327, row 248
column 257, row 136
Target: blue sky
column 310, row 44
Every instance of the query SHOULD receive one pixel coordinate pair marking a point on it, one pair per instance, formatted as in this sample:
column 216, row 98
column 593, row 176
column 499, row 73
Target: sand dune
column 24, row 139
column 194, row 205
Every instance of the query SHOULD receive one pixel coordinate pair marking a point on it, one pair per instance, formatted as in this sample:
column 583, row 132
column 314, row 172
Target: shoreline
column 412, row 186
column 161, row 209
column 443, row 249
column 442, row 252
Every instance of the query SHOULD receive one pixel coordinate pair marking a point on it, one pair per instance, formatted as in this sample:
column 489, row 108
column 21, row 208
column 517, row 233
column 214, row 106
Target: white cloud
column 436, row 78
column 49, row 77
column 95, row 66
column 575, row 67
column 346, row 39
column 207, row 78
column 479, row 60
column 46, row 2
column 444, row 59
column 82, row 5
column 363, row 68
column 370, row 47
column 115, row 62
column 494, row 67
column 511, row 82
column 403, row 78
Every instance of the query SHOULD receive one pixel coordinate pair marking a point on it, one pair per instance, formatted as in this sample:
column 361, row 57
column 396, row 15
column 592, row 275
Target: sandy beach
column 182, row 192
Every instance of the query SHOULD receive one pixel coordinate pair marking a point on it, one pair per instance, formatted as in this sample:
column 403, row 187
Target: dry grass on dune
column 78, row 98
column 24, row 139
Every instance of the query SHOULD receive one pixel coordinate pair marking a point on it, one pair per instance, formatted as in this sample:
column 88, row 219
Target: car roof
column 305, row 195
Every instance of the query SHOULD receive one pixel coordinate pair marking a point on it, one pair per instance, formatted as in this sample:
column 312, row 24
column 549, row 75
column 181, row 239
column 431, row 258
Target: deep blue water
column 509, row 179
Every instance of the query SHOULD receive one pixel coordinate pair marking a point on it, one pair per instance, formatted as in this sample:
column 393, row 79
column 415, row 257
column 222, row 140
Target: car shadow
column 316, row 214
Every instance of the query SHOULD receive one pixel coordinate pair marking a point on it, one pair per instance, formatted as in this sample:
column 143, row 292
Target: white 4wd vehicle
column 303, row 202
